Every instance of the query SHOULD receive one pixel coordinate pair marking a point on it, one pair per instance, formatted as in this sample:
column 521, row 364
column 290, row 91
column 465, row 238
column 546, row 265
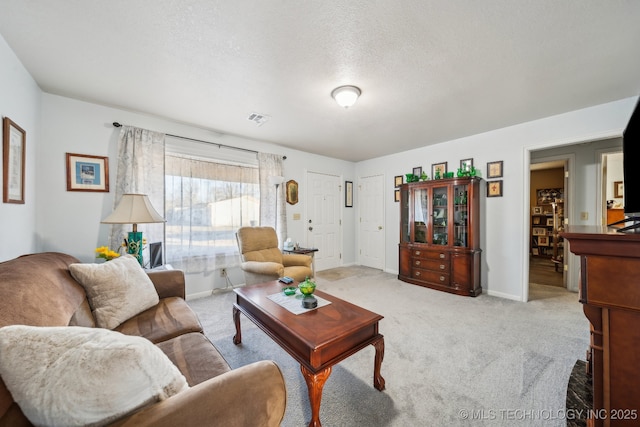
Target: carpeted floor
column 449, row 360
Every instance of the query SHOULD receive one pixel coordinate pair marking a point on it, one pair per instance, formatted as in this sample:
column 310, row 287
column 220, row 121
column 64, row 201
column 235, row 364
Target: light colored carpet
column 504, row 363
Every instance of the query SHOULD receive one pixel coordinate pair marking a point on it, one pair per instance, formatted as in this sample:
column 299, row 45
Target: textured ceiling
column 429, row 70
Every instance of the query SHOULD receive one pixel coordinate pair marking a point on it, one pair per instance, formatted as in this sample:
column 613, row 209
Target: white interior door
column 323, row 219
column 371, row 206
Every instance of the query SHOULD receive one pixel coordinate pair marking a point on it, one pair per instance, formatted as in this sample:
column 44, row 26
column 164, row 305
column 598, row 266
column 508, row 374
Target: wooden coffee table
column 317, row 339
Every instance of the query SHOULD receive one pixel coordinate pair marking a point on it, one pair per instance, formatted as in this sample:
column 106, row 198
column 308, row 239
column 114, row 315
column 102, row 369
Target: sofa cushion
column 195, row 356
column 79, row 376
column 169, row 318
column 117, row 290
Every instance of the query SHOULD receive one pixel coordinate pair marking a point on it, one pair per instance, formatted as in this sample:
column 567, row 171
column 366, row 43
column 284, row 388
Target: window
column 206, row 201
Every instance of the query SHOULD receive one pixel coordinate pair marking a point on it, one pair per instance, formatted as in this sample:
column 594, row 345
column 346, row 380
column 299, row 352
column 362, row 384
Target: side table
column 305, row 251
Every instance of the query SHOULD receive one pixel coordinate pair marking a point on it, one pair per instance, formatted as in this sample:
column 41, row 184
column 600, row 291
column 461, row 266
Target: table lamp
column 134, row 209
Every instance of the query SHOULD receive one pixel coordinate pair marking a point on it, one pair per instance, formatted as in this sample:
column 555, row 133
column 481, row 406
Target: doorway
column 548, row 210
column 612, row 200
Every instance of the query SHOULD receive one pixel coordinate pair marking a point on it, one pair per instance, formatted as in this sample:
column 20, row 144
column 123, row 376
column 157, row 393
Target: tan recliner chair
column 262, row 261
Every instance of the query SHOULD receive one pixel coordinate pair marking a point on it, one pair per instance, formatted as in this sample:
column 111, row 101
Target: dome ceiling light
column 346, row 96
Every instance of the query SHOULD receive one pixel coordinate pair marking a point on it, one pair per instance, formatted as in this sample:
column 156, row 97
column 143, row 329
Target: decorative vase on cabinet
column 440, row 235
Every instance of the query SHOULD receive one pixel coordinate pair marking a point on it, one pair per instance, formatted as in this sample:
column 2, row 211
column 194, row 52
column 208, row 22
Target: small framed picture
column 549, row 222
column 494, row 169
column 438, row 169
column 536, row 210
column 534, row 251
column 536, row 220
column 539, row 231
column 618, row 189
column 348, row 194
column 13, row 160
column 543, row 241
column 494, row 188
column 87, row 173
column 417, row 171
column 466, row 165
column 396, row 195
column 397, row 181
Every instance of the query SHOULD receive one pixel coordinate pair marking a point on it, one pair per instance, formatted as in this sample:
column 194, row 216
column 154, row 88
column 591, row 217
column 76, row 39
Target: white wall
column 20, row 101
column 504, row 222
column 71, row 221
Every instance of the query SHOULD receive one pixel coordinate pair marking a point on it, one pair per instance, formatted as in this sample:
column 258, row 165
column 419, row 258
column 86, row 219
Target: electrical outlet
column 584, row 216
column 223, row 272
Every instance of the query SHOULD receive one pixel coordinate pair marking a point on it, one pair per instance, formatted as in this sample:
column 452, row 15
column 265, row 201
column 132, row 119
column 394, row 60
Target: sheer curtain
column 140, row 169
column 207, row 201
column 271, row 165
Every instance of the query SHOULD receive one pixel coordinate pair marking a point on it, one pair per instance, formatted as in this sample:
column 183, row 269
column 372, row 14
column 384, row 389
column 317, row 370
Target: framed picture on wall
column 396, row 195
column 494, row 169
column 494, row 188
column 397, row 181
column 348, row 194
column 618, row 189
column 13, row 161
column 87, row 173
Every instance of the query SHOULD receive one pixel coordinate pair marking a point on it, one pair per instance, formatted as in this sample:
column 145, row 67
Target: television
column 630, row 173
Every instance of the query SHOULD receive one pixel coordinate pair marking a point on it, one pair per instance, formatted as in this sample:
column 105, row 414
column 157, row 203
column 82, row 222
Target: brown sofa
column 38, row 290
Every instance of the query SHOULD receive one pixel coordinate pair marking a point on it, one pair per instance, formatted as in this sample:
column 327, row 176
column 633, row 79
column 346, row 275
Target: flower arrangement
column 106, row 253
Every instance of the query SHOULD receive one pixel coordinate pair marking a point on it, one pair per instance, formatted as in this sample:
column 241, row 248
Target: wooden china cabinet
column 440, row 235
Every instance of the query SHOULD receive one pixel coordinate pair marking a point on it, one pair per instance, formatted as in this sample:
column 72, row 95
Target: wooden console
column 610, row 292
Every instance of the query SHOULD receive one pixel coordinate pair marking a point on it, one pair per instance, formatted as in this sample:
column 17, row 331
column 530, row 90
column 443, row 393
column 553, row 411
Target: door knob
column 310, row 228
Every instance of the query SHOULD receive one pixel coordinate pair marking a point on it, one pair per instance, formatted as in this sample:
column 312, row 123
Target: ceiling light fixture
column 346, row 96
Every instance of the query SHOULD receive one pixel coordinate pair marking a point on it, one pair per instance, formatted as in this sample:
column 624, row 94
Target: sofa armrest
column 168, row 283
column 253, row 395
column 266, row 268
column 296, row 259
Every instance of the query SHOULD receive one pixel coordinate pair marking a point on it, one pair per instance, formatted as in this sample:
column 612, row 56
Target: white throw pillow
column 72, row 376
column 117, row 290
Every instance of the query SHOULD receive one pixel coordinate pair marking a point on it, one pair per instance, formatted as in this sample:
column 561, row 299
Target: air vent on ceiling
column 258, row 119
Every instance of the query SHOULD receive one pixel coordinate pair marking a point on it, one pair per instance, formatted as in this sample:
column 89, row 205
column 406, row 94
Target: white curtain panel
column 271, row 165
column 140, row 170
column 206, row 203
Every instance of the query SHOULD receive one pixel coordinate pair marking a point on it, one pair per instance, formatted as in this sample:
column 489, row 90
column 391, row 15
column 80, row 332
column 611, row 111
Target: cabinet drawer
column 430, row 254
column 431, row 264
column 430, row 276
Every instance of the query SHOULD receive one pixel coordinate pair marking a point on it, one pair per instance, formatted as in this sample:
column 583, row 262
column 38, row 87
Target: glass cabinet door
column 421, row 215
column 405, row 226
column 440, row 216
column 460, row 216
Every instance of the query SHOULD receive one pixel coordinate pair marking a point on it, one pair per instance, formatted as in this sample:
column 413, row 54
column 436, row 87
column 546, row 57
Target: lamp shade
column 346, row 96
column 134, row 209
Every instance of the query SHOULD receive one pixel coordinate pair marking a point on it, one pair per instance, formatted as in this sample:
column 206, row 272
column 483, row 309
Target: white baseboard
column 198, row 295
column 503, row 295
